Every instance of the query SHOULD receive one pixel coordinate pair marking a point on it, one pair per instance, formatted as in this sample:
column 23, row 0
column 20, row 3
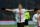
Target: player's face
column 20, row 6
column 38, row 11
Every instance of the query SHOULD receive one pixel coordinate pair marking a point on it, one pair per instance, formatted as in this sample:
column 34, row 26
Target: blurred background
column 30, row 4
column 12, row 4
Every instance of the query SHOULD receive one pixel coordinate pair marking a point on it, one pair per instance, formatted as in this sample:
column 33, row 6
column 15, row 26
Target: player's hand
column 36, row 9
column 2, row 8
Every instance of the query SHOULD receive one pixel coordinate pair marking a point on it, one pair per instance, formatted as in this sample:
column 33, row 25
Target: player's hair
column 20, row 4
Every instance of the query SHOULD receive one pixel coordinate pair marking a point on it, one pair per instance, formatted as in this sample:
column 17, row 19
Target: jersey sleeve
column 34, row 18
column 26, row 10
column 14, row 9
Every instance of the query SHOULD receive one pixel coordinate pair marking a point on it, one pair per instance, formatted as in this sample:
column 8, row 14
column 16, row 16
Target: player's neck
column 19, row 9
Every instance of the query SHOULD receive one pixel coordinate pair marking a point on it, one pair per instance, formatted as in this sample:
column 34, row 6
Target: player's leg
column 39, row 24
column 18, row 24
column 26, row 22
column 36, row 24
column 22, row 24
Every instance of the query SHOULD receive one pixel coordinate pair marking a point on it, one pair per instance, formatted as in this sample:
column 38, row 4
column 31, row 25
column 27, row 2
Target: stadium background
column 11, row 4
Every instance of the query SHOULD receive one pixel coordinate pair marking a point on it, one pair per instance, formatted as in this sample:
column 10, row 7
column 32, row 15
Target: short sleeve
column 26, row 10
column 14, row 9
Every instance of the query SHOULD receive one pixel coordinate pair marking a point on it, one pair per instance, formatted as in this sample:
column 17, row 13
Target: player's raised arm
column 34, row 9
column 9, row 9
column 30, row 10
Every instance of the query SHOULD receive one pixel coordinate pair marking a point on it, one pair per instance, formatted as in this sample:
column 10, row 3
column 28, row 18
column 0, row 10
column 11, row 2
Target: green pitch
column 15, row 25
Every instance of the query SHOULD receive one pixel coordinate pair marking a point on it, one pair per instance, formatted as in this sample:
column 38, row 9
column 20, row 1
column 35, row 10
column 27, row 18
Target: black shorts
column 26, row 22
column 20, row 24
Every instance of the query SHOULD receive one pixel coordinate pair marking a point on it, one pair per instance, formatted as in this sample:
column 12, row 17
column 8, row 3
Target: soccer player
column 27, row 17
column 36, row 18
column 20, row 15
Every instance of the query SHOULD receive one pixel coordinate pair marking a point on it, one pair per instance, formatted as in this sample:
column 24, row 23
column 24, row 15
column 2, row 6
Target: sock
column 26, row 26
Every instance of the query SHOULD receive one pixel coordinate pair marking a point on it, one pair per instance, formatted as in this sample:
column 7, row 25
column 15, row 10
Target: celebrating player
column 20, row 15
column 36, row 18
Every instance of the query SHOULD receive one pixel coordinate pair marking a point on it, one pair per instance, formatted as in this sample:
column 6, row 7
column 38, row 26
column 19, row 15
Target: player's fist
column 36, row 9
column 2, row 8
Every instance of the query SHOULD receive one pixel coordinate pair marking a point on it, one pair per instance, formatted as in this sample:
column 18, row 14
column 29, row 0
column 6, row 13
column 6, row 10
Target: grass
column 31, row 25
